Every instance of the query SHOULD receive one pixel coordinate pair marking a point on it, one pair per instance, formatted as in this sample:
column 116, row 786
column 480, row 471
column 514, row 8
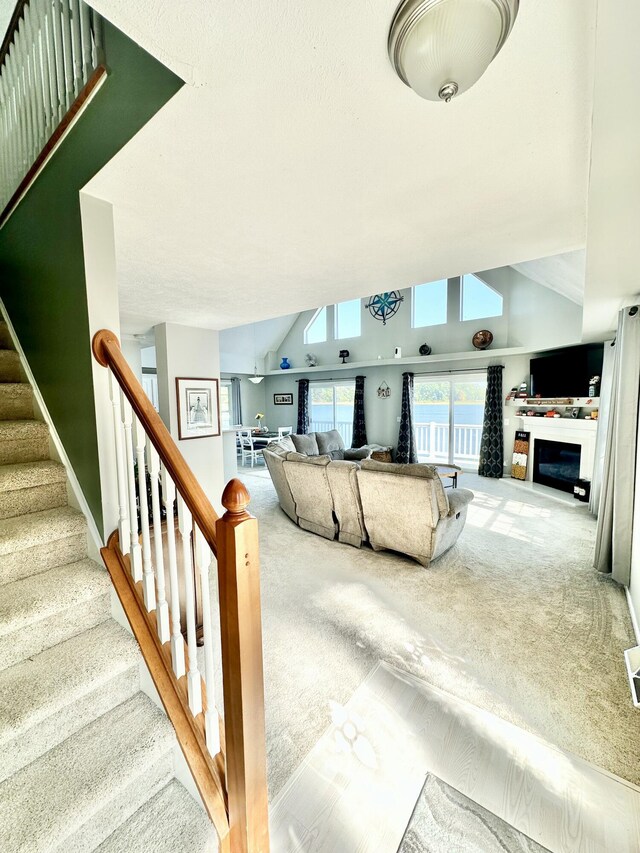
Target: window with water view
column 332, row 408
column 448, row 415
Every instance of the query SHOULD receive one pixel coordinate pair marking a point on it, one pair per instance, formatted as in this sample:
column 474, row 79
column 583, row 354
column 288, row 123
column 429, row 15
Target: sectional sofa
column 391, row 506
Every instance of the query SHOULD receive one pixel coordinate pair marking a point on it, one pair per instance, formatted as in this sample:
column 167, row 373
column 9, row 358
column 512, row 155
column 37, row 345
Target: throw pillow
column 306, row 444
column 329, row 441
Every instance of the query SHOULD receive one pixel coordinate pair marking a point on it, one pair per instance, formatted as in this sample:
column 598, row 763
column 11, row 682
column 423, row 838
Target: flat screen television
column 566, row 372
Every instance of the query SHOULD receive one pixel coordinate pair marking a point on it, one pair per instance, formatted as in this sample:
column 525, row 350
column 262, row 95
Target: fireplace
column 556, row 464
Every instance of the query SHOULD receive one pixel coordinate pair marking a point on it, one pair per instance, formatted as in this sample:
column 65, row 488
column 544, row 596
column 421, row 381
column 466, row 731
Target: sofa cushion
column 282, row 446
column 329, row 442
column 308, row 460
column 414, row 469
column 306, row 444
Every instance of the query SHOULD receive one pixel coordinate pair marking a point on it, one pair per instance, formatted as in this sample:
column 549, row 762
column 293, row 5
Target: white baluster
column 211, row 725
column 45, row 60
column 148, row 580
column 162, row 608
column 97, row 26
column 76, row 41
column 58, row 53
column 87, row 60
column 194, row 686
column 35, row 75
column 136, row 550
column 177, row 643
column 123, row 520
column 68, row 51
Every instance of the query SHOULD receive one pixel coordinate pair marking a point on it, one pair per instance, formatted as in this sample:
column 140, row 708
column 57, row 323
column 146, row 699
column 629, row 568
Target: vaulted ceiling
column 295, row 169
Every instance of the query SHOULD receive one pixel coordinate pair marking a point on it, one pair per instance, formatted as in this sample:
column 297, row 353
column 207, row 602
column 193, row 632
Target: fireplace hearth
column 556, row 464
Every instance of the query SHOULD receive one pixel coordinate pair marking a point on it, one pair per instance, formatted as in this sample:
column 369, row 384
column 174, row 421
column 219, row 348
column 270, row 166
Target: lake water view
column 423, row 413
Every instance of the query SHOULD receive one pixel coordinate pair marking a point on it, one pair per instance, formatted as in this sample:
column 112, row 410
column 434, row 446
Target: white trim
column 634, row 621
column 55, row 438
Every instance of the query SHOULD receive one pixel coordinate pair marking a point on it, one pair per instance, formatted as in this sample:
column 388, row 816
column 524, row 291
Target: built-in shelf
column 550, row 403
column 559, row 423
column 422, row 360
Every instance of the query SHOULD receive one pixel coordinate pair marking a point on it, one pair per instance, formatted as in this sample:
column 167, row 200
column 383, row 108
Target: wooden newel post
column 241, row 635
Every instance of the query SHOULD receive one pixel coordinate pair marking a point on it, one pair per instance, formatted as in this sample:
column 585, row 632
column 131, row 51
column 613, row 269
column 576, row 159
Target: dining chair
column 248, row 449
column 284, row 431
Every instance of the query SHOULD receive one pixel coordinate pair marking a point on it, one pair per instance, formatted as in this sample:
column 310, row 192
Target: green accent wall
column 42, row 280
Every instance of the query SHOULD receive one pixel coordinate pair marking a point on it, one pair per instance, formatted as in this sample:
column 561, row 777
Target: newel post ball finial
column 104, row 336
column 235, row 498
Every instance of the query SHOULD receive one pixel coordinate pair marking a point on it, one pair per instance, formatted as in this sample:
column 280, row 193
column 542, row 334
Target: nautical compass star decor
column 384, row 305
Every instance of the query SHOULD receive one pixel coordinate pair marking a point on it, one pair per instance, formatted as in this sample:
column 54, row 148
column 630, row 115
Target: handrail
column 107, row 351
column 164, row 559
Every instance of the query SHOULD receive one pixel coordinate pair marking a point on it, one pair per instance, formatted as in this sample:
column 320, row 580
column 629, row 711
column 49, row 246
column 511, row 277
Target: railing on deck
column 162, row 565
column 345, row 428
column 50, row 61
column 432, row 442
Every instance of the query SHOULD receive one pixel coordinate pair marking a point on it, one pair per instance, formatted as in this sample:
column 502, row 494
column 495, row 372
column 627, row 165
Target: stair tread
column 59, row 676
column 170, row 822
column 37, row 528
column 36, row 597
column 22, row 429
column 57, row 794
column 26, row 475
column 15, row 389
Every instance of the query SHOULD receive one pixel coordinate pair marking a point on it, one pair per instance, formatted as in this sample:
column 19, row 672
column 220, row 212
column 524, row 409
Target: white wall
column 534, row 317
column 98, row 242
column 185, row 351
column 132, row 352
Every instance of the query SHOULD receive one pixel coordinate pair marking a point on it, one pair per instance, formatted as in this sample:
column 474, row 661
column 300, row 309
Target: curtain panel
column 491, row 443
column 359, row 438
column 303, row 407
column 236, row 401
column 614, row 529
column 406, row 451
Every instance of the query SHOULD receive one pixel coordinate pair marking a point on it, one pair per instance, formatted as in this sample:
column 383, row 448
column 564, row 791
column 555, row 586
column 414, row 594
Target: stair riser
column 15, row 406
column 23, row 501
column 38, row 636
column 127, row 801
column 32, row 561
column 10, row 367
column 24, row 450
column 5, row 337
column 47, row 733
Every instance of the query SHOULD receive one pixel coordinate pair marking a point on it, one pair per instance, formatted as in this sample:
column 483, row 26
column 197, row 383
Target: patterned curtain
column 359, row 429
column 406, row 451
column 236, row 402
column 491, row 445
column 303, row 407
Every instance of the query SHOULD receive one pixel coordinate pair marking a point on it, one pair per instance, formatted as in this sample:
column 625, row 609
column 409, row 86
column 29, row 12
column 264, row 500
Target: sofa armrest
column 458, row 499
column 353, row 454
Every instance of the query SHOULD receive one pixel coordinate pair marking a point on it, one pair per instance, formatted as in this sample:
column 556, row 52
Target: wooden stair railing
column 225, row 753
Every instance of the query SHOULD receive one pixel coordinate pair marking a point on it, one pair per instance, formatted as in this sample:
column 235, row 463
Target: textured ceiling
column 563, row 273
column 295, row 169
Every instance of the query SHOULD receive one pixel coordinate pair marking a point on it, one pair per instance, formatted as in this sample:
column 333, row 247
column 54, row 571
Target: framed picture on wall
column 198, row 404
column 283, row 399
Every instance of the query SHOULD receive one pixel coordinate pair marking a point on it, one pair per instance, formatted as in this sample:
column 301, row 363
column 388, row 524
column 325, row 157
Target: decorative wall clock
column 382, row 306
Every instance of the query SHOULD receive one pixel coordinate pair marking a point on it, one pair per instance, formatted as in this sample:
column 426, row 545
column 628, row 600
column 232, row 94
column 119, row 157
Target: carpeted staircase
column 85, row 757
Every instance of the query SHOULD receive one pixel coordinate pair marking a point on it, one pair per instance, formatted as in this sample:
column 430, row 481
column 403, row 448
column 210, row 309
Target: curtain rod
column 331, row 379
column 460, row 370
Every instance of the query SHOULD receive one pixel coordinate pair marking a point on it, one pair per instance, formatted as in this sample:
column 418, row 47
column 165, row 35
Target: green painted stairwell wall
column 42, row 280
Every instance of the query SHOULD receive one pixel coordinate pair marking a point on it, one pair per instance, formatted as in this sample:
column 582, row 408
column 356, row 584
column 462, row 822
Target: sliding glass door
column 332, row 408
column 448, row 413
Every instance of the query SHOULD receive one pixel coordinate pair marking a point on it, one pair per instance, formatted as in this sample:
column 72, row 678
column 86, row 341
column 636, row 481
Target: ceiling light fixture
column 255, row 378
column 440, row 48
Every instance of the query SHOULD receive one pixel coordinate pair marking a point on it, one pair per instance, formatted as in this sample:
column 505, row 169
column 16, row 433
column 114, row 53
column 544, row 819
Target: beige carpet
column 513, row 619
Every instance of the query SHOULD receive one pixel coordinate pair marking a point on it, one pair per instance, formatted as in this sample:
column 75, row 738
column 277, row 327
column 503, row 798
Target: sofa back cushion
column 417, row 469
column 331, row 442
column 306, row 444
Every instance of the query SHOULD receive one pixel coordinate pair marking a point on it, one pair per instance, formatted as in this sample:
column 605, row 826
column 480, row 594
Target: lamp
column 440, row 48
column 255, row 378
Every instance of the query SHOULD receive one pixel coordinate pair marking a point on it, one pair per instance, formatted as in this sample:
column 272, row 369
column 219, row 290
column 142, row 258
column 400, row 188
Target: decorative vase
column 284, row 364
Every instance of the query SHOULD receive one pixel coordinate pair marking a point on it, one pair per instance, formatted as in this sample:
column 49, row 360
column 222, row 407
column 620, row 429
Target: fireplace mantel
column 578, row 431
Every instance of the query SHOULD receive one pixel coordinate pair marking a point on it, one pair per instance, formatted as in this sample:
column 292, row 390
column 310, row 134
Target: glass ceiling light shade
column 440, row 48
column 255, row 378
